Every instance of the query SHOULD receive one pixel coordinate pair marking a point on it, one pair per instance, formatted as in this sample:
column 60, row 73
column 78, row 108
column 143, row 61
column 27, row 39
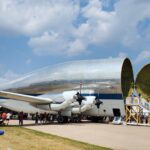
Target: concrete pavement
column 119, row 137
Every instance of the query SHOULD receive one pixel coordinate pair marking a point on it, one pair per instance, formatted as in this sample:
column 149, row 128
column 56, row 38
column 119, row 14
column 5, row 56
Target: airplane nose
column 143, row 82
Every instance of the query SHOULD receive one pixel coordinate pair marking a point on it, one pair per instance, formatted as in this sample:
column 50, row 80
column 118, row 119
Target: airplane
column 93, row 88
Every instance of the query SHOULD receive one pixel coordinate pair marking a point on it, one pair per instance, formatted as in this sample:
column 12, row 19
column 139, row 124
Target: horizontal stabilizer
column 26, row 98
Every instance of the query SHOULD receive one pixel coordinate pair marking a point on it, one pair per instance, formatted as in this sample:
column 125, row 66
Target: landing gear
column 76, row 118
column 66, row 119
column 96, row 119
column 62, row 119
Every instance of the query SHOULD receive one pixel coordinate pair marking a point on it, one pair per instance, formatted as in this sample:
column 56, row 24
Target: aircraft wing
column 26, row 98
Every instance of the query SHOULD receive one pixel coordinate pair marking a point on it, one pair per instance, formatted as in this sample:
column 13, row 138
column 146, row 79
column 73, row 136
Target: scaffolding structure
column 135, row 111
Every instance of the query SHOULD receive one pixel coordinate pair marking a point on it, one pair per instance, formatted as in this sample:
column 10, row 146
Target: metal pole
column 80, row 87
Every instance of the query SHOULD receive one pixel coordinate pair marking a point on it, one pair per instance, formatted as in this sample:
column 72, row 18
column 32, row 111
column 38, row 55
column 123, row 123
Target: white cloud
column 144, row 55
column 2, row 80
column 129, row 13
column 6, row 75
column 48, row 43
column 122, row 55
column 10, row 75
column 33, row 17
column 98, row 24
column 76, row 47
column 118, row 26
column 50, row 25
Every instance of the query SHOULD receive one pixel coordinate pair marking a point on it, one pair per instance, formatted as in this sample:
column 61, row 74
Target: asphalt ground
column 119, row 137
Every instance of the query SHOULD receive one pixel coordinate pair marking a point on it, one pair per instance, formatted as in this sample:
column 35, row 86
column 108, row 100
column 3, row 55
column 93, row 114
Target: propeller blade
column 80, row 98
column 98, row 102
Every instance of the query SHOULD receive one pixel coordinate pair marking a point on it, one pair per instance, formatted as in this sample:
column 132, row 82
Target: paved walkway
column 119, row 137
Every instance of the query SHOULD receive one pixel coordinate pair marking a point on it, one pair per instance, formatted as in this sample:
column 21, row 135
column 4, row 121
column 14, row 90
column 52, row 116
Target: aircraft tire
column 65, row 119
column 60, row 119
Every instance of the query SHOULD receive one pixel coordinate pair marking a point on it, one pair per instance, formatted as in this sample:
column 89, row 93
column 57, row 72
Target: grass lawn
column 18, row 138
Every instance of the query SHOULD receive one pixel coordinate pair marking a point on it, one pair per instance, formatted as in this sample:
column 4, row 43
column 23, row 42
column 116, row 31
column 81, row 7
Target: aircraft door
column 116, row 112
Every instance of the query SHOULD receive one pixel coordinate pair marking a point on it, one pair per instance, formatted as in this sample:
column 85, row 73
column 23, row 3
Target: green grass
column 18, row 138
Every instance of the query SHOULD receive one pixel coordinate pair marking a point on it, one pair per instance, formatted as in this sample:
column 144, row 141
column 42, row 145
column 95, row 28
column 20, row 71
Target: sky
column 38, row 33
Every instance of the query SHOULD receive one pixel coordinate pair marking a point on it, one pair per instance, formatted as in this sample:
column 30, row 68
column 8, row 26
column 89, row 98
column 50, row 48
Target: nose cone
column 143, row 82
column 127, row 78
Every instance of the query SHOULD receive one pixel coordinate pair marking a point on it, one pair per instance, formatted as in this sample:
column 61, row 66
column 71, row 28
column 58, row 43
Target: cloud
column 66, row 27
column 48, row 43
column 120, row 25
column 122, row 55
column 36, row 16
column 6, row 75
column 144, row 55
column 76, row 47
column 10, row 75
column 116, row 26
column 2, row 80
column 98, row 24
column 128, row 16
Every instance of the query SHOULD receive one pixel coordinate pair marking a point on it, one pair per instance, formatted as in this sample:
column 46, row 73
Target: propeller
column 80, row 98
column 98, row 102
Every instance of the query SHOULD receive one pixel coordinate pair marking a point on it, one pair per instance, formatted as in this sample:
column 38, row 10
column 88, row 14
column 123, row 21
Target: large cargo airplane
column 88, row 87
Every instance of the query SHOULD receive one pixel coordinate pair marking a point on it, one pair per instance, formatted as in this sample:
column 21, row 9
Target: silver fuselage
column 101, row 78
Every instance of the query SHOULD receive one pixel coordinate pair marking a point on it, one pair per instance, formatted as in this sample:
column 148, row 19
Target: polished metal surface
column 97, row 76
